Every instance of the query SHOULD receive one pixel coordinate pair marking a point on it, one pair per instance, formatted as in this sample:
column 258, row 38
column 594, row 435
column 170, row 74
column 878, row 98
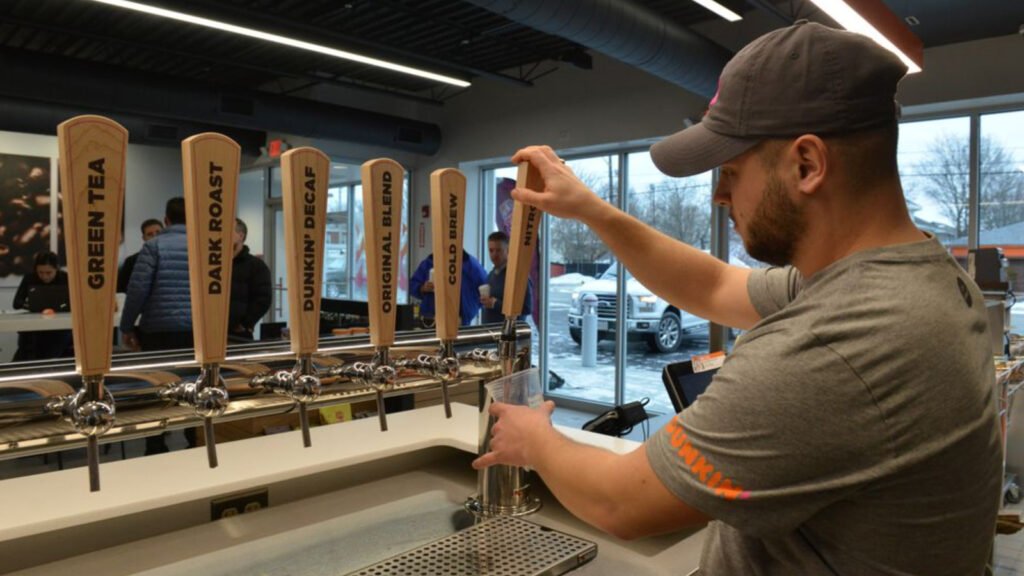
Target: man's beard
column 776, row 227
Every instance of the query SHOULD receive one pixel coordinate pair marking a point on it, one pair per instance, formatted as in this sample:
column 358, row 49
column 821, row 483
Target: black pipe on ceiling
column 81, row 85
column 626, row 31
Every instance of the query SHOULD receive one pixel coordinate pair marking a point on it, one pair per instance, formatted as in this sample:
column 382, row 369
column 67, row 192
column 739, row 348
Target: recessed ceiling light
column 282, row 40
column 911, row 20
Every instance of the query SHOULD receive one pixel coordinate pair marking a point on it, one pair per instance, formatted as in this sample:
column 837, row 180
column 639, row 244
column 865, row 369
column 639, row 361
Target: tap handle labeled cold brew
column 522, row 243
column 210, row 164
column 305, row 173
column 448, row 199
column 382, row 220
column 92, row 166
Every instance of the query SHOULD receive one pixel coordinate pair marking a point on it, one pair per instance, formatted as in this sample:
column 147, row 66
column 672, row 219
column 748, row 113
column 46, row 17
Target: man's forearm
column 685, row 276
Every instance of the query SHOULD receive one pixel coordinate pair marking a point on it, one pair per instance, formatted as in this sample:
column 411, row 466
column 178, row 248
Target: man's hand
column 131, row 341
column 564, row 195
column 428, row 286
column 517, row 435
column 488, row 301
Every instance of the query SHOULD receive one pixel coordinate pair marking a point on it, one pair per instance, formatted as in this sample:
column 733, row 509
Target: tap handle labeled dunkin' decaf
column 210, row 165
column 448, row 202
column 305, row 173
column 92, row 167
column 522, row 244
column 382, row 219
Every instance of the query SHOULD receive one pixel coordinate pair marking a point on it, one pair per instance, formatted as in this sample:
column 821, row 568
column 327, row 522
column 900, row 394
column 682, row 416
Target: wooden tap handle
column 382, row 221
column 304, row 176
column 448, row 201
column 210, row 164
column 92, row 164
column 522, row 243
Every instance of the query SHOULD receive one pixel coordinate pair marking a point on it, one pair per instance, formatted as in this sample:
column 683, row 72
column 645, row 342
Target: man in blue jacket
column 473, row 276
column 159, row 289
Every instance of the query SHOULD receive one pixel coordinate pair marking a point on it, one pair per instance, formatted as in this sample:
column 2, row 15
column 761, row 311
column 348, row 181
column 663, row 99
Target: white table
column 25, row 321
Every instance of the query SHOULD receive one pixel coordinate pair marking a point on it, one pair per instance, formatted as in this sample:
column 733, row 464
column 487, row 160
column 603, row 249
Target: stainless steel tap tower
column 505, row 490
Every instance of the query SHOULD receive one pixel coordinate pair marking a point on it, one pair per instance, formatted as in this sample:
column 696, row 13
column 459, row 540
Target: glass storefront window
column 658, row 332
column 1001, row 213
column 935, row 171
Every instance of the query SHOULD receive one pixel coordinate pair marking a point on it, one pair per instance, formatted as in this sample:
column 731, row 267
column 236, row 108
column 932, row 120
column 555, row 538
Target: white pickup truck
column 648, row 317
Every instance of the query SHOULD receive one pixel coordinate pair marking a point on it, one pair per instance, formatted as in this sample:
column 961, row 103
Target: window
column 658, row 332
column 1001, row 214
column 935, row 171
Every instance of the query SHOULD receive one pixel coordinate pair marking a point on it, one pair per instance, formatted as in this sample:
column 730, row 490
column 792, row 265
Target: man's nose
column 722, row 197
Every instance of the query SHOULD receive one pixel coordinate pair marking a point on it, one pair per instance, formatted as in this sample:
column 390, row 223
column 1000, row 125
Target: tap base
column 475, row 506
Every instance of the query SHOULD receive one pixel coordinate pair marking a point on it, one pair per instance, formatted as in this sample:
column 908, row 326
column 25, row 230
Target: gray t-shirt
column 853, row 430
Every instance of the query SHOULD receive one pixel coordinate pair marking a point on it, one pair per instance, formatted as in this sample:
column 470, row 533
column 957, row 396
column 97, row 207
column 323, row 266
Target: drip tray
column 496, row 547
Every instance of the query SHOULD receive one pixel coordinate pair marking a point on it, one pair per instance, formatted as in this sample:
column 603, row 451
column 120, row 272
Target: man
column 159, row 289
column 422, row 286
column 251, row 289
column 497, row 249
column 150, row 228
column 853, row 430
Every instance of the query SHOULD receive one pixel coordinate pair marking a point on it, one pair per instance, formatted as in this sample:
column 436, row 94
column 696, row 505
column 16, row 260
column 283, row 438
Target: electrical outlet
column 243, row 503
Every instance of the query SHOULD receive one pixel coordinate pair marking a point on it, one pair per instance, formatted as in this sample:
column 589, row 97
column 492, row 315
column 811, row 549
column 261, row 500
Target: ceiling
column 453, row 37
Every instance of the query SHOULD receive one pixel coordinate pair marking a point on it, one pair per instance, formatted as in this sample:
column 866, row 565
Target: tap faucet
column 448, row 199
column 382, row 221
column 210, row 165
column 305, row 172
column 505, row 490
column 92, row 167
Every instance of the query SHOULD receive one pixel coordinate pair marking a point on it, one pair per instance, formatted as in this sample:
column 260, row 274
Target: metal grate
column 497, row 547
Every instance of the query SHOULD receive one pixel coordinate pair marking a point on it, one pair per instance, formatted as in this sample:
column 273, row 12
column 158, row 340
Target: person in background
column 854, row 429
column 39, row 345
column 497, row 249
column 251, row 289
column 159, row 289
column 422, row 287
column 150, row 228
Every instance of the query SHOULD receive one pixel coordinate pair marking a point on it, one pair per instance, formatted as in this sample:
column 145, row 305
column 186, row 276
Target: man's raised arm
column 685, row 276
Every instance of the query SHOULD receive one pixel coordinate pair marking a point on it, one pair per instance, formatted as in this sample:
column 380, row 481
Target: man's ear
column 810, row 156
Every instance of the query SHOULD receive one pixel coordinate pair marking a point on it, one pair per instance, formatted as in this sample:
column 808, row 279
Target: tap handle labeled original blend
column 210, row 164
column 523, row 238
column 305, row 173
column 448, row 202
column 92, row 166
column 382, row 218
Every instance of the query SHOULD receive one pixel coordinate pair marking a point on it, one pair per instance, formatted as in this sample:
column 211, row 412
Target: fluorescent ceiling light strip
column 283, row 40
column 850, row 19
column 720, row 10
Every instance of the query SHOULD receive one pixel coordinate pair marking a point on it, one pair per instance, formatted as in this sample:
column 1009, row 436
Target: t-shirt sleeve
column 774, row 439
column 771, row 289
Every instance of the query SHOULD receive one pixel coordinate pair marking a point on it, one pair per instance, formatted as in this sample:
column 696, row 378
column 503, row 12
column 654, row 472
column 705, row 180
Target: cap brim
column 695, row 150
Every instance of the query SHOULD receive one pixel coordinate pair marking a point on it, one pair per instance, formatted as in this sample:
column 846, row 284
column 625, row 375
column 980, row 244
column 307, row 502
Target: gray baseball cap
column 802, row 79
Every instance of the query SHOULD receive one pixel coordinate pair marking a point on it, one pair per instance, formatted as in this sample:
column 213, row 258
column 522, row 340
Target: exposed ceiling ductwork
column 46, row 80
column 626, row 31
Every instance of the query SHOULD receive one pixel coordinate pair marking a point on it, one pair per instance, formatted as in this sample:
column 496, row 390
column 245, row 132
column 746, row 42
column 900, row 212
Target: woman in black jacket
column 39, row 345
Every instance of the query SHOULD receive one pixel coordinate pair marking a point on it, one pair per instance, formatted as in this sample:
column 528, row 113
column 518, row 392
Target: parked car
column 648, row 317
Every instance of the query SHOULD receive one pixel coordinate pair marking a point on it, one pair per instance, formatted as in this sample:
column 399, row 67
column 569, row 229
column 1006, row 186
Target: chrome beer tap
column 92, row 167
column 210, row 164
column 505, row 490
column 382, row 221
column 305, row 172
column 448, row 201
